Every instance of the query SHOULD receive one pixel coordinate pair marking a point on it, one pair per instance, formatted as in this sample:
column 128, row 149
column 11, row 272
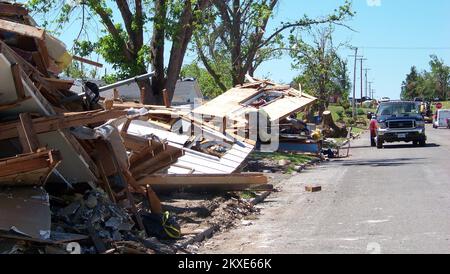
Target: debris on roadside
column 313, row 188
column 83, row 173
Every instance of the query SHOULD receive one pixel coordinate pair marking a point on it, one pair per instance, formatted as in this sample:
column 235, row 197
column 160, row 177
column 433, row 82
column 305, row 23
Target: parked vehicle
column 398, row 121
column 440, row 118
column 385, row 99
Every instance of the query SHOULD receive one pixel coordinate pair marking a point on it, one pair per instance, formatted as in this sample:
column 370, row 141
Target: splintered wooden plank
column 21, row 29
column 84, row 60
column 27, row 135
column 10, row 10
column 42, row 48
column 13, row 104
column 66, row 120
column 20, row 90
column 227, row 103
column 205, row 179
column 205, row 182
column 40, row 63
column 59, row 83
column 28, row 169
column 283, row 107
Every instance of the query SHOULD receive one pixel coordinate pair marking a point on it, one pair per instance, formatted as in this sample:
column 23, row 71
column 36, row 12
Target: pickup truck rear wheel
column 379, row 143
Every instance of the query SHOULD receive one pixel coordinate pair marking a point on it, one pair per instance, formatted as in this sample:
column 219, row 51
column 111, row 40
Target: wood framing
column 20, row 90
column 21, row 29
column 28, row 169
column 27, row 135
column 84, row 60
column 66, row 120
column 12, row 10
column 206, row 182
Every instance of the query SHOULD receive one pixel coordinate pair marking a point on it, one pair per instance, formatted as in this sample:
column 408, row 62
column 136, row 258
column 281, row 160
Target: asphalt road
column 394, row 200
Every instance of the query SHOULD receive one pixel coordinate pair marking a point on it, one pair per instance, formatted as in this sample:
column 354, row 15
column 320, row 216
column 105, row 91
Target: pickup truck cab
column 397, row 121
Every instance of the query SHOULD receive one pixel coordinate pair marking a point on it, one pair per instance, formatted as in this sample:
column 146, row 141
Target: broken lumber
column 204, row 182
column 21, row 29
column 313, row 188
column 27, row 136
column 66, row 120
column 28, row 169
column 12, row 10
column 87, row 61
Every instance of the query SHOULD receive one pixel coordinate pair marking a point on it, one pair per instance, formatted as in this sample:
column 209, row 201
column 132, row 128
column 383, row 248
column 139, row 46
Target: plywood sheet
column 73, row 163
column 283, row 107
column 226, row 103
column 25, row 210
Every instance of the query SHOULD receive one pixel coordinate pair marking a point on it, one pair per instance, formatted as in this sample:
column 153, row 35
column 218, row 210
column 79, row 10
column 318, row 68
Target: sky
column 392, row 35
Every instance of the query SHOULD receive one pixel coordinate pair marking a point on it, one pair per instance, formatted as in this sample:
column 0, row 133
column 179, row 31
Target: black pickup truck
column 398, row 121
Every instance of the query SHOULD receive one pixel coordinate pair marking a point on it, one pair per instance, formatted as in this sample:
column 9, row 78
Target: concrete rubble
column 86, row 169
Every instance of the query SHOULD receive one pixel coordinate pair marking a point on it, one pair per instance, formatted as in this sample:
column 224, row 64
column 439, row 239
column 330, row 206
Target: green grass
column 247, row 194
column 446, row 104
column 334, row 111
column 295, row 159
column 356, row 130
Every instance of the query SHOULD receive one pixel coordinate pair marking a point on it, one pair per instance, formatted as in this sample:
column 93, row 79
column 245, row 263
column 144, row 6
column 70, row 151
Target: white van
column 440, row 119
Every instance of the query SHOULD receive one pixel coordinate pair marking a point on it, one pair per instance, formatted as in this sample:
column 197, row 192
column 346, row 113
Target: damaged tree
column 123, row 45
column 238, row 31
column 330, row 129
column 324, row 72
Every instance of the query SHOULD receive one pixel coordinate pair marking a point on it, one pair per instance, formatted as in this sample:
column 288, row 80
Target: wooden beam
column 20, row 90
column 42, row 49
column 66, row 120
column 166, row 98
column 27, row 136
column 40, row 64
column 84, row 60
column 12, row 10
column 13, row 104
column 204, row 182
column 21, row 29
column 59, row 83
column 25, row 169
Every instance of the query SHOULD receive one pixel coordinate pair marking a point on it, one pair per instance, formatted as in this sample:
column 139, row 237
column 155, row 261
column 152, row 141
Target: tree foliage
column 206, row 82
column 431, row 84
column 122, row 39
column 323, row 72
column 237, row 31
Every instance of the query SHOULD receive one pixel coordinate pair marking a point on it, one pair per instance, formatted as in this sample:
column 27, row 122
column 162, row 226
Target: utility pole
column 370, row 90
column 354, row 83
column 366, row 70
column 361, row 59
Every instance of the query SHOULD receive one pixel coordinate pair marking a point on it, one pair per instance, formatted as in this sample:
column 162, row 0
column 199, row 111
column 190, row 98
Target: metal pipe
column 126, row 82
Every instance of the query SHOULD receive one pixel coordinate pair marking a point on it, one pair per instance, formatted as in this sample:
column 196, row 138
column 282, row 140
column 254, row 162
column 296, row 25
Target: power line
column 407, row 48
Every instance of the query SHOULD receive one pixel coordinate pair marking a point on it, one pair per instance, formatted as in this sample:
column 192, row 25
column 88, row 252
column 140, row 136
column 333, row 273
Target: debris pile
column 267, row 109
column 79, row 172
column 83, row 173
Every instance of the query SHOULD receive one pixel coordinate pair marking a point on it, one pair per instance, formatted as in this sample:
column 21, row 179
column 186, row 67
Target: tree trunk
column 153, row 93
column 330, row 129
column 150, row 97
